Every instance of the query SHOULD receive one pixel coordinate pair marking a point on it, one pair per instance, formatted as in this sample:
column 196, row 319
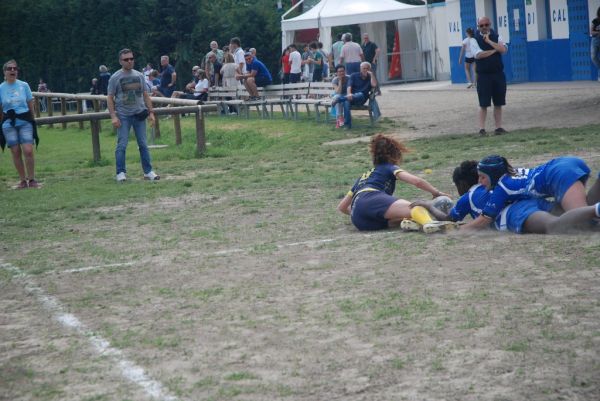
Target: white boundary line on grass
column 129, row 369
column 84, row 269
column 226, row 252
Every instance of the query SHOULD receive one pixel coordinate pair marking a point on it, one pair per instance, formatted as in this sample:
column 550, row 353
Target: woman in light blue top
column 18, row 124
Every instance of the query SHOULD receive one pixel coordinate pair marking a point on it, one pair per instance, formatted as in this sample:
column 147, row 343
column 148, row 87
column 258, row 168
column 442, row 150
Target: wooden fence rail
column 184, row 106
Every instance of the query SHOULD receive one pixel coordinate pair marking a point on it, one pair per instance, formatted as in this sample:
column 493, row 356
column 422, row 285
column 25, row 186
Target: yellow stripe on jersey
column 398, row 171
column 366, row 190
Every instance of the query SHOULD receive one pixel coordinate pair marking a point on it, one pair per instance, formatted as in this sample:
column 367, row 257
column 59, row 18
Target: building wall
column 441, row 54
column 548, row 40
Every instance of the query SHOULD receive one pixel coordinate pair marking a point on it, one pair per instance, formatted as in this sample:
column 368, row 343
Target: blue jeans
column 595, row 52
column 18, row 135
column 139, row 127
column 357, row 99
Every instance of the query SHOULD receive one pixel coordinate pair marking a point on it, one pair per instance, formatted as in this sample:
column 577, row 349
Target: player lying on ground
column 531, row 215
column 370, row 202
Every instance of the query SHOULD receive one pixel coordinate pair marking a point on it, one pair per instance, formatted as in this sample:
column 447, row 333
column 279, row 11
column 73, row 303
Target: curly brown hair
column 386, row 150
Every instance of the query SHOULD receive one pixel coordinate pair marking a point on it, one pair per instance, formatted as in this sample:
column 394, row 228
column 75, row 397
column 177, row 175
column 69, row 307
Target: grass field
column 234, row 278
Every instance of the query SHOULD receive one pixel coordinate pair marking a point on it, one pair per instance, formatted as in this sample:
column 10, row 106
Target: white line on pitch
column 129, row 369
column 84, row 269
column 315, row 242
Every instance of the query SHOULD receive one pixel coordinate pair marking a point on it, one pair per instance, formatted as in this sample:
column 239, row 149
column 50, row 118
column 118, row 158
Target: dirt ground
column 436, row 108
column 271, row 295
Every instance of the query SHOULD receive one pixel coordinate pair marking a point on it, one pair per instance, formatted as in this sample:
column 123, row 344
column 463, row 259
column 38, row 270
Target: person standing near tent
column 371, row 55
column 336, row 50
column 352, row 55
column 295, row 64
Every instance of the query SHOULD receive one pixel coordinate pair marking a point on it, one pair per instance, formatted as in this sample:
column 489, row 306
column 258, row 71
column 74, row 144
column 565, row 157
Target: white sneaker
column 152, row 176
column 121, row 177
column 410, row 225
column 469, row 86
column 436, row 226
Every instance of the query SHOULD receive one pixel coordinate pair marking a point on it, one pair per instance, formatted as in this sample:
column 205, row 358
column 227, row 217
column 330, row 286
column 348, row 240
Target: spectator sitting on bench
column 189, row 87
column 257, row 75
column 154, row 83
column 200, row 91
column 360, row 85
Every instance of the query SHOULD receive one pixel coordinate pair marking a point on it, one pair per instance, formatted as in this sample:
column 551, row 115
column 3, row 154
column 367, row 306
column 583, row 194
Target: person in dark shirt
column 371, row 53
column 491, row 81
column 257, row 75
column 168, row 77
column 370, row 202
column 360, row 85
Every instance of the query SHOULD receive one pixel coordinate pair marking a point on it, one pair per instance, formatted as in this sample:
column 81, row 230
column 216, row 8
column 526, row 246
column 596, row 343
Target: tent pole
column 291, row 9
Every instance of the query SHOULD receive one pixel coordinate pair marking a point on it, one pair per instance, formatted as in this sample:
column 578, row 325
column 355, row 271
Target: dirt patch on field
column 269, row 294
column 235, row 300
column 431, row 109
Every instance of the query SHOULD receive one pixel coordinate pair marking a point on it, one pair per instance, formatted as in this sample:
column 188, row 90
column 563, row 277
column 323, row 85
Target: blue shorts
column 490, row 87
column 262, row 81
column 469, row 60
column 561, row 173
column 18, row 135
column 368, row 209
column 513, row 217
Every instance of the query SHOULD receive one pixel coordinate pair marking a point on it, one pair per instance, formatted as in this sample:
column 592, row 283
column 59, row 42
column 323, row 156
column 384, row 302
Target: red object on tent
column 395, row 66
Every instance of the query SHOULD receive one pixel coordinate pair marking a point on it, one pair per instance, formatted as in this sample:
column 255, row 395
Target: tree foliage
column 65, row 41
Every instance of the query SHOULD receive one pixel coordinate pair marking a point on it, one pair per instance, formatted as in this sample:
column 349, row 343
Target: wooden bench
column 226, row 100
column 298, row 94
column 275, row 95
column 320, row 88
column 247, row 104
column 322, row 93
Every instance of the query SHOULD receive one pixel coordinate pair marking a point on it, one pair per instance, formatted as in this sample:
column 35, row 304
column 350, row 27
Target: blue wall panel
column 457, row 71
column 548, row 60
column 581, row 65
column 468, row 17
column 517, row 64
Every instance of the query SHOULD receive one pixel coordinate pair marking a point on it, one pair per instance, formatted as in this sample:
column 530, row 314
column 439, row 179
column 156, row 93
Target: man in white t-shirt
column 235, row 47
column 352, row 55
column 295, row 64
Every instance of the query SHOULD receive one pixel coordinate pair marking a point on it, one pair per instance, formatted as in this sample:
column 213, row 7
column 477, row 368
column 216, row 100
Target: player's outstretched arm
column 420, row 183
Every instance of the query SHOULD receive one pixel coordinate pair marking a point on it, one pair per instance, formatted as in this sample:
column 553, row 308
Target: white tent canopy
column 372, row 16
column 330, row 13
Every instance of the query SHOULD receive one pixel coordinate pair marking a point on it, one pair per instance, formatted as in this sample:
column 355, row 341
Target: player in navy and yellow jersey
column 370, row 202
column 562, row 178
column 523, row 216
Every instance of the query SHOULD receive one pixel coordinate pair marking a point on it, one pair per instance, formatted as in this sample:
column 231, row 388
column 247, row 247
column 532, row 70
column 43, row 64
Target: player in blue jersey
column 523, row 216
column 562, row 178
column 370, row 202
